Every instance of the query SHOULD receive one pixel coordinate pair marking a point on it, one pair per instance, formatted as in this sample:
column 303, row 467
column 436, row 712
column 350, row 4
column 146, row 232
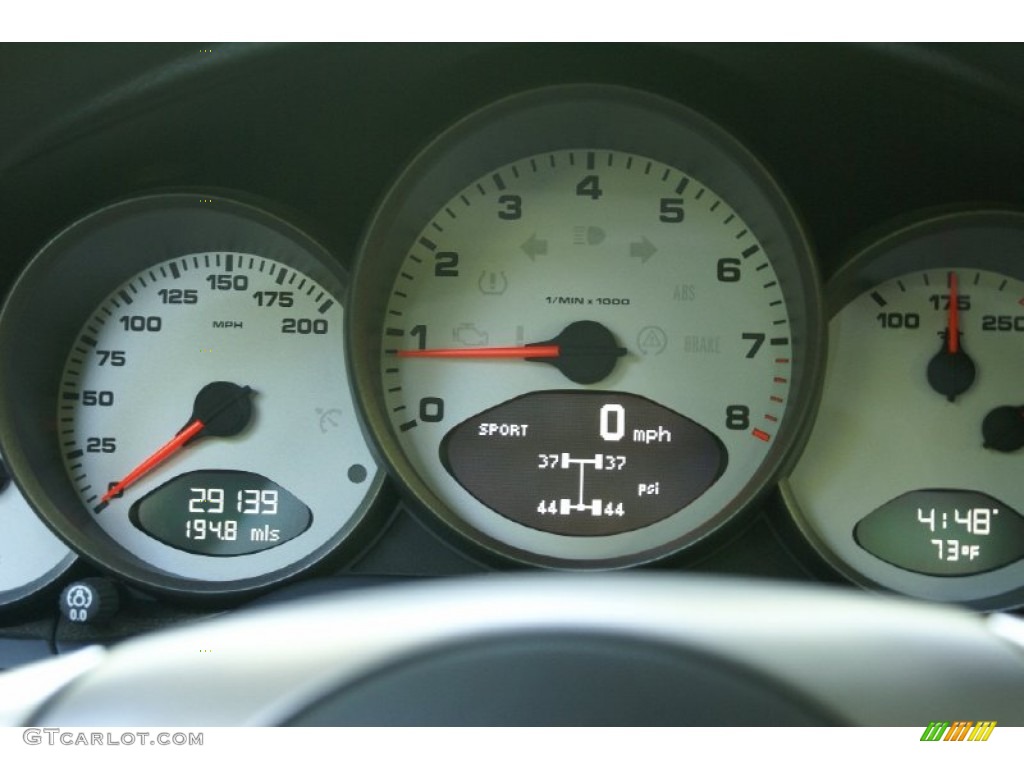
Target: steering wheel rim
column 847, row 654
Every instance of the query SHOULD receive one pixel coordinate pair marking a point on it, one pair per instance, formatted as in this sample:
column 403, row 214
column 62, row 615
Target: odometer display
column 221, row 513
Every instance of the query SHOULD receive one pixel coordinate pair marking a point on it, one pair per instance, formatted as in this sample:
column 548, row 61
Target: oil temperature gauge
column 911, row 478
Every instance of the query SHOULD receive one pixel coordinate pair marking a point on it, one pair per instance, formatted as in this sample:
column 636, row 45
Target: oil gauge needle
column 951, row 371
column 585, row 352
column 221, row 409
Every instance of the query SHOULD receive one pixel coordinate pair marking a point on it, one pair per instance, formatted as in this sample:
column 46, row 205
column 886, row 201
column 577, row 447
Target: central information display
column 583, row 463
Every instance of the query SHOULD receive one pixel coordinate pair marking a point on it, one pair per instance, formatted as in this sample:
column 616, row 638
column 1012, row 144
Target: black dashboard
column 860, row 153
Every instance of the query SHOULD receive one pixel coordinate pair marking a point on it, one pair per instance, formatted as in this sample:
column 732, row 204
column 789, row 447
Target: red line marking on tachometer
column 775, row 399
column 780, row 380
column 782, row 360
column 761, row 435
column 770, row 417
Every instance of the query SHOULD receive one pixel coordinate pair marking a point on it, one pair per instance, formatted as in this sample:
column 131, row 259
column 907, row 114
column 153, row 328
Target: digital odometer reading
column 583, row 463
column 943, row 533
column 221, row 513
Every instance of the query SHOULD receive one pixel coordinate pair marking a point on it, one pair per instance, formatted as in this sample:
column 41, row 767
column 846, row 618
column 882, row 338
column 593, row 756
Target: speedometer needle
column 221, row 409
column 585, row 352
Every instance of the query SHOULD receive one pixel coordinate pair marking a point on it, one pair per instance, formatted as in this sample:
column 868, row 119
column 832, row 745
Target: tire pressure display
column 583, row 463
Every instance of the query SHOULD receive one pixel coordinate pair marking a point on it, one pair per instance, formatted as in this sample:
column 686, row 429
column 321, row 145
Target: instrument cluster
column 593, row 318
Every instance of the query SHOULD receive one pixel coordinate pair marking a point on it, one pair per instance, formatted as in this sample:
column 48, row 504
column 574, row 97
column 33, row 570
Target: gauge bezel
column 75, row 276
column 908, row 247
column 595, row 117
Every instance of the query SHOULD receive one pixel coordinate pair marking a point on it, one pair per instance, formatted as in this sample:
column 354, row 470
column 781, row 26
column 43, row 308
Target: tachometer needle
column 585, row 352
column 221, row 409
column 525, row 352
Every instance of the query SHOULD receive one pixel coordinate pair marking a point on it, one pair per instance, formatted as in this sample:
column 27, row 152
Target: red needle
column 544, row 350
column 954, row 316
column 164, row 452
column 584, row 352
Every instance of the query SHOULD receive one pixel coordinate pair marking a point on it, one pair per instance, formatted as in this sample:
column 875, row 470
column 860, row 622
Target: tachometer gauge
column 586, row 327
column 911, row 478
column 184, row 417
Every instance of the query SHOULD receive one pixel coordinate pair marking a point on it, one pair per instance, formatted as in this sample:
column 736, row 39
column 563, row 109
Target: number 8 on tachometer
column 586, row 328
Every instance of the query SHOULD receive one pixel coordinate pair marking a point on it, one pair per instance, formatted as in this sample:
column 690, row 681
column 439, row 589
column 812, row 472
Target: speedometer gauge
column 911, row 477
column 189, row 426
column 586, row 327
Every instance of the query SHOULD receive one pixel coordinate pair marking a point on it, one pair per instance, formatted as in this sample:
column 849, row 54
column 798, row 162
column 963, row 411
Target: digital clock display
column 941, row 532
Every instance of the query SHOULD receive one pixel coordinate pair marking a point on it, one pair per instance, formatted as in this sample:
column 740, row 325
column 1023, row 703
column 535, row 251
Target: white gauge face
column 625, row 263
column 912, row 475
column 250, row 349
column 30, row 554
